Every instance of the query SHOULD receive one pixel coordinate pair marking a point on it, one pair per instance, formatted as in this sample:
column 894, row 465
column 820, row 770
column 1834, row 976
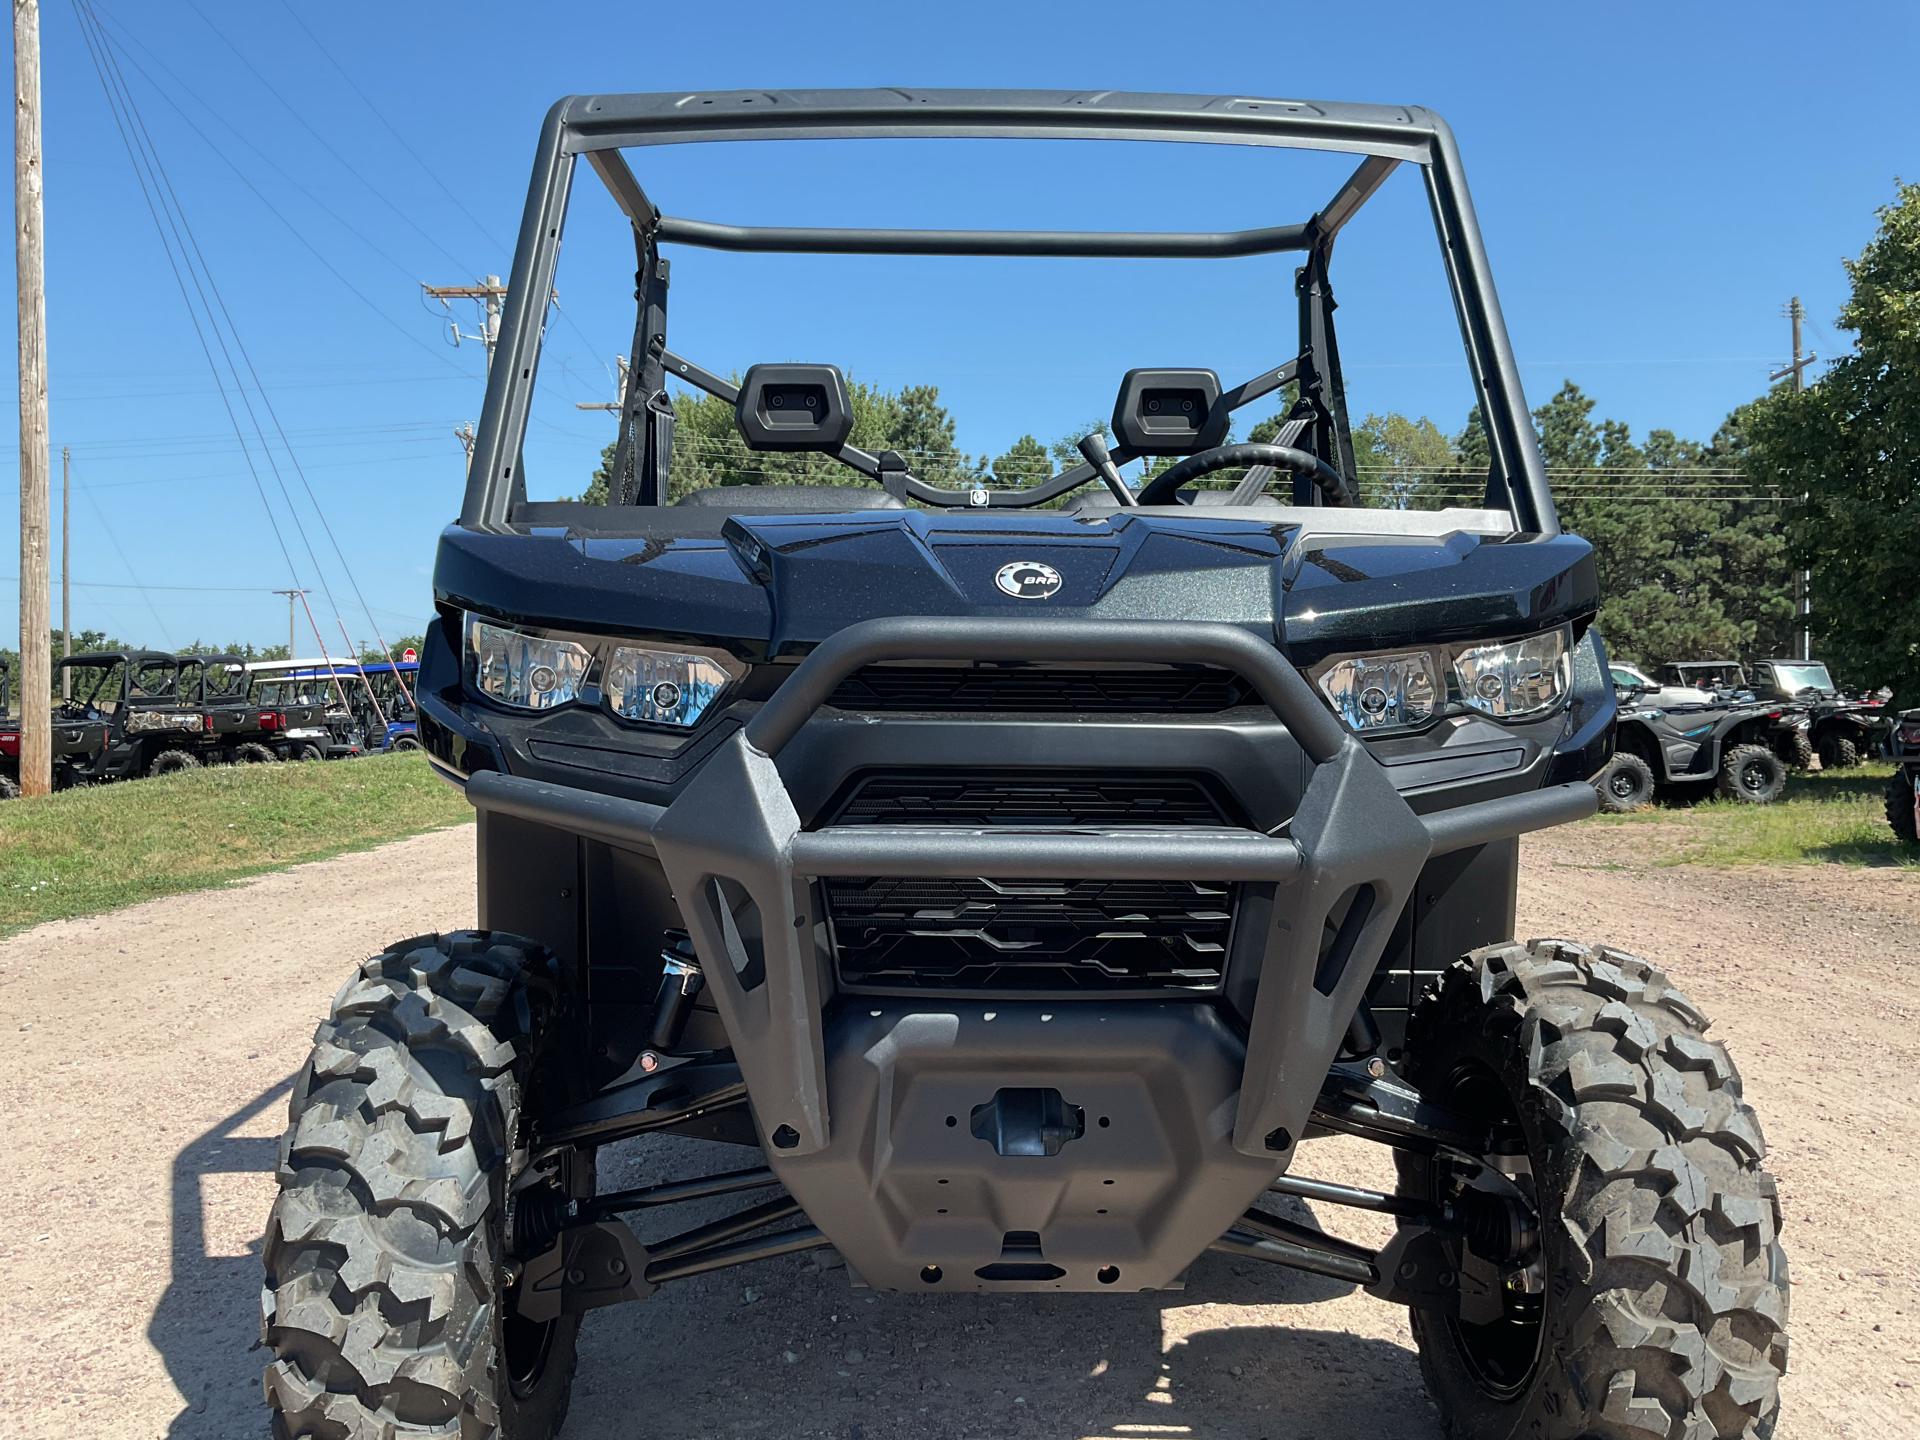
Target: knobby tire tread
column 1667, row 1288
column 383, row 1246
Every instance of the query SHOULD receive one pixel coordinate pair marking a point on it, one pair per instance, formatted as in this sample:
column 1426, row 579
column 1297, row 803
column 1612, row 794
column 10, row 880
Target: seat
column 790, row 499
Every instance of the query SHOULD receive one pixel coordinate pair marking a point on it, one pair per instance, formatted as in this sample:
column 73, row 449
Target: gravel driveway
column 144, row 1062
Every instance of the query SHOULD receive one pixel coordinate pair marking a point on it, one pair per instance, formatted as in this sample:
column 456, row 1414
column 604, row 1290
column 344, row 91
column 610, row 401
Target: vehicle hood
column 771, row 585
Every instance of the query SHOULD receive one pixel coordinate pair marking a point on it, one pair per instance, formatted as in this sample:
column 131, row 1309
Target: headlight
column 1383, row 692
column 1511, row 681
column 523, row 670
column 662, row 687
column 1523, row 677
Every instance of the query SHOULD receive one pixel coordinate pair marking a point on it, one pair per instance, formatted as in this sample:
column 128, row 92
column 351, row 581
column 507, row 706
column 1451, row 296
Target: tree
column 708, row 450
column 1022, row 465
column 373, row 655
column 1851, row 445
column 1404, row 464
column 1687, row 571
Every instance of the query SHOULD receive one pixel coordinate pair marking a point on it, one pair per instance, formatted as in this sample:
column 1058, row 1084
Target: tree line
column 1691, row 565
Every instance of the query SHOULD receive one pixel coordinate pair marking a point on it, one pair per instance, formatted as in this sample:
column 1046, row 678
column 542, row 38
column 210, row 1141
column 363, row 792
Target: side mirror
column 1170, row 412
column 793, row 407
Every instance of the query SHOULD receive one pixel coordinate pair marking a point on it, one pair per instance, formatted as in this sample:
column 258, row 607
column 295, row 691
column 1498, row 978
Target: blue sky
column 1653, row 181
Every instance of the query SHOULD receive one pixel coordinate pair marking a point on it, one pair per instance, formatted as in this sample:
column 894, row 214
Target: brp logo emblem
column 1028, row 580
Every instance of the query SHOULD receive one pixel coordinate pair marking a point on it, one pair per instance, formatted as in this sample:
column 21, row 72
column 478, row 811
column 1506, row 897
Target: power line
column 126, row 118
column 273, row 210
column 267, row 403
column 496, row 243
column 127, row 565
column 344, row 163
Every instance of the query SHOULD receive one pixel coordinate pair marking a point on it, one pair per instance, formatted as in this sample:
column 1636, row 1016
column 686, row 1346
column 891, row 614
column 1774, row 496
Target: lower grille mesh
column 1024, row 935
column 1027, row 935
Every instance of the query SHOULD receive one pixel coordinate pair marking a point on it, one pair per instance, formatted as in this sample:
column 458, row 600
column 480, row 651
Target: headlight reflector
column 1522, row 677
column 661, row 687
column 1383, row 692
column 522, row 670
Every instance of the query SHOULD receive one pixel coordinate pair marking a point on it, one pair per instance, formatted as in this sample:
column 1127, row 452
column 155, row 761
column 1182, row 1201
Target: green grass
column 82, row 851
column 1835, row 818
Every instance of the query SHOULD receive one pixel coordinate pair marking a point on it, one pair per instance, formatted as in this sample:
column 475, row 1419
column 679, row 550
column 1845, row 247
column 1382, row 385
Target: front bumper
column 868, row 1107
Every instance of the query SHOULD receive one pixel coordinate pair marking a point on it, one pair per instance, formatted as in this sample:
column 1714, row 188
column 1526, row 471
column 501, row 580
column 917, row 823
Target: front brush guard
column 733, row 832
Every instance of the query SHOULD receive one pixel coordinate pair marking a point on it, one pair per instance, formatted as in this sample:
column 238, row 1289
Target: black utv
column 1841, row 729
column 217, row 686
column 1729, row 746
column 1022, row 877
column 125, row 717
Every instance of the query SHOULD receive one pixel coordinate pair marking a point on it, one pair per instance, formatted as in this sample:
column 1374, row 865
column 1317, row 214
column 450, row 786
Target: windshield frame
column 600, row 126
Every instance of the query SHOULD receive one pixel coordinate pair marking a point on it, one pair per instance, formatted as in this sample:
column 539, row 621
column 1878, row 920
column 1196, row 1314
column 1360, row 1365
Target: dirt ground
column 144, row 1062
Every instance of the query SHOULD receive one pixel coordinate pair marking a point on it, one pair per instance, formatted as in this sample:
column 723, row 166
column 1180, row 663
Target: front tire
column 1625, row 784
column 169, row 762
column 1903, row 807
column 1752, row 773
column 1657, row 1300
column 1837, row 752
column 252, row 752
column 386, row 1302
column 1797, row 750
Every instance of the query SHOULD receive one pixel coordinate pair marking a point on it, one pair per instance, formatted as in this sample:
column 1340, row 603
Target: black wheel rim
column 1755, row 777
column 525, row 1345
column 1502, row 1357
column 1625, row 785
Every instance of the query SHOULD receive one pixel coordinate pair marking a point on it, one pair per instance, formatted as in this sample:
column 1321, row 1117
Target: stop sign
column 408, row 656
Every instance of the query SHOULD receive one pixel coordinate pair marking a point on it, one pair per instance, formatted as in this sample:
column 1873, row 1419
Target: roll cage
column 601, row 126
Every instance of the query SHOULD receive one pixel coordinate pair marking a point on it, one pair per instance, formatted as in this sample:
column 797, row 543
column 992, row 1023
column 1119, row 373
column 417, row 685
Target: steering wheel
column 1160, row 490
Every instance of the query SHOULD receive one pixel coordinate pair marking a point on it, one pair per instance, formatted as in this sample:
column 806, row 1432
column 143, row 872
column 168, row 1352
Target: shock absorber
column 680, row 982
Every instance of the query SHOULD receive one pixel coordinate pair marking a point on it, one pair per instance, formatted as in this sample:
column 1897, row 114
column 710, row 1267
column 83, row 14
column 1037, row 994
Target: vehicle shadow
column 206, row 1327
column 788, row 1348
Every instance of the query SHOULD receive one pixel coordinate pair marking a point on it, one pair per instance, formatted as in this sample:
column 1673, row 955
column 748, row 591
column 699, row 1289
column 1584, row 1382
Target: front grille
column 1186, row 690
column 1030, row 934
column 971, row 934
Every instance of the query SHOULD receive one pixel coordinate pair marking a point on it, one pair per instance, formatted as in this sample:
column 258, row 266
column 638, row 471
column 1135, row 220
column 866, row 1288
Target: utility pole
column 66, row 587
column 490, row 292
column 292, row 597
column 616, row 406
column 36, row 647
column 1803, row 581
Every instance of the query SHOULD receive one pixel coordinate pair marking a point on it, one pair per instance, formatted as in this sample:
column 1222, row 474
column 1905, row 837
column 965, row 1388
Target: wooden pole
column 36, row 631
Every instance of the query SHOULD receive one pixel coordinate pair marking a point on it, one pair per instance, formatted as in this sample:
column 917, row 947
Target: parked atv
column 1841, row 729
column 1022, row 879
column 1903, row 786
column 1725, row 744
